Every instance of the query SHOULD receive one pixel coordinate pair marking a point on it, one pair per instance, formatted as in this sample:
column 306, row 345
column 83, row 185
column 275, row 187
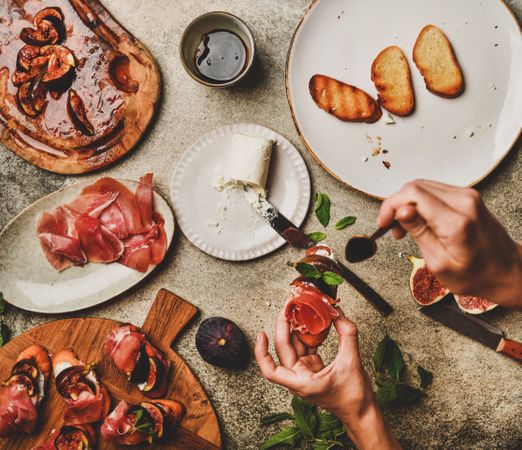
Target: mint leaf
column 308, row 270
column 327, row 423
column 389, row 356
column 276, row 418
column 305, row 417
column 318, row 236
column 345, row 222
column 332, row 278
column 407, row 394
column 4, row 334
column 288, row 436
column 322, row 209
column 426, row 377
column 2, row 303
column 387, row 393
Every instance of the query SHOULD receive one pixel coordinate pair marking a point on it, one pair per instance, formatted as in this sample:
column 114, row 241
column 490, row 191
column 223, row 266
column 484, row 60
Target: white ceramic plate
column 224, row 225
column 29, row 282
column 341, row 38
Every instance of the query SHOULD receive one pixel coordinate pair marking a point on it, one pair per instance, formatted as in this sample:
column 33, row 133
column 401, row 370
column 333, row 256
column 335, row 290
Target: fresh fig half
column 60, row 66
column 221, row 342
column 45, row 34
column 425, row 288
column 78, row 113
column 120, row 74
column 25, row 56
column 474, row 305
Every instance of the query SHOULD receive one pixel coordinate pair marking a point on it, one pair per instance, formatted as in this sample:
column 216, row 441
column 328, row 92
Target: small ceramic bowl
column 216, row 20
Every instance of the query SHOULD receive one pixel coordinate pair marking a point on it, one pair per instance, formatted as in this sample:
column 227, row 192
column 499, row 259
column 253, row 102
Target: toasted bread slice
column 392, row 78
column 436, row 61
column 346, row 102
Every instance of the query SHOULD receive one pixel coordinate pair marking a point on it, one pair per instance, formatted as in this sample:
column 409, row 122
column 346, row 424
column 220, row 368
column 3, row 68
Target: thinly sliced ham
column 123, row 345
column 88, row 408
column 126, row 201
column 99, row 244
column 309, row 310
column 117, row 424
column 144, row 199
column 106, row 223
column 61, row 249
column 17, row 411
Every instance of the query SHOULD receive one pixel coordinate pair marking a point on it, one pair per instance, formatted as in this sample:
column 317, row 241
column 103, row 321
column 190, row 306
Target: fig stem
column 222, row 342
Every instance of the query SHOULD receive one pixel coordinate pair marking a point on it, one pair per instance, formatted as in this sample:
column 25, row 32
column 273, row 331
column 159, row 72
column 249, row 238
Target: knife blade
column 286, row 229
column 448, row 313
column 296, row 238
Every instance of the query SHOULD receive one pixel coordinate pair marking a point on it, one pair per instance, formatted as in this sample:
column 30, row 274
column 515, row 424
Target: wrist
column 369, row 429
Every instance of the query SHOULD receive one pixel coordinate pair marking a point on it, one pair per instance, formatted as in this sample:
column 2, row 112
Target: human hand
column 462, row 243
column 342, row 387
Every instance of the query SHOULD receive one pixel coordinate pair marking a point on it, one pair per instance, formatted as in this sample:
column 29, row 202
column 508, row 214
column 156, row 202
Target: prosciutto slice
column 106, row 223
column 117, row 424
column 309, row 310
column 123, row 345
column 88, row 408
column 58, row 240
column 126, row 202
column 17, row 411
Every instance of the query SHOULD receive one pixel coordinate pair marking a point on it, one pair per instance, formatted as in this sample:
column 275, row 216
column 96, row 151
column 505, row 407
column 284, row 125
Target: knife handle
column 511, row 348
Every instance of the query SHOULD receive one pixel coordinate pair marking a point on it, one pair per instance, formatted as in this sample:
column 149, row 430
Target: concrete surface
column 475, row 399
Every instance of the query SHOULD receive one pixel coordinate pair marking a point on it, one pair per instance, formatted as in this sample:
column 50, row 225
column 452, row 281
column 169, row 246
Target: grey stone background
column 475, row 399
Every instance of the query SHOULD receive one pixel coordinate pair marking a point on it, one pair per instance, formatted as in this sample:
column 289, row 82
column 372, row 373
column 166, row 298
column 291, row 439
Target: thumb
column 348, row 341
column 411, row 221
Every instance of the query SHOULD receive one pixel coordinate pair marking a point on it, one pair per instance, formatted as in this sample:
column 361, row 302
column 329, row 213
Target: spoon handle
column 382, row 231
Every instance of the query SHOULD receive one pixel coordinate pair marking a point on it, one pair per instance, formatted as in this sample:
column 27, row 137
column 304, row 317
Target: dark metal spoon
column 362, row 247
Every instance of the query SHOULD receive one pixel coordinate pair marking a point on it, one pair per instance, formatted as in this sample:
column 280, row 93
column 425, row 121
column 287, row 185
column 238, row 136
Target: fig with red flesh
column 120, row 74
column 221, row 342
column 77, row 437
column 425, row 288
column 78, row 113
column 74, row 380
column 36, row 69
column 25, row 99
column 45, row 34
column 53, row 15
column 60, row 65
column 25, row 56
column 474, row 305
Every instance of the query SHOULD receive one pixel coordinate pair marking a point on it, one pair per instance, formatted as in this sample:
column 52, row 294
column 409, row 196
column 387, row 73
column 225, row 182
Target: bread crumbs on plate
column 386, row 164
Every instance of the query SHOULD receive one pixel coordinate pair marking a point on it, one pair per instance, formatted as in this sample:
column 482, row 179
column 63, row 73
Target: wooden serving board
column 198, row 430
column 119, row 117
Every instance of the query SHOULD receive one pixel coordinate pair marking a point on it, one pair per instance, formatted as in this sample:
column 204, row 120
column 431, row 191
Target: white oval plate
column 341, row 38
column 224, row 225
column 29, row 282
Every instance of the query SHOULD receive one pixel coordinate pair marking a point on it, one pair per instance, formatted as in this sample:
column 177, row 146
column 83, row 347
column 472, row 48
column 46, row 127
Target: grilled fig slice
column 120, row 74
column 78, row 114
column 53, row 15
column 425, row 288
column 221, row 342
column 26, row 367
column 141, row 371
column 23, row 380
column 45, row 34
column 25, row 56
column 78, row 437
column 74, row 380
column 155, row 385
column 474, row 305
column 26, row 100
column 60, row 66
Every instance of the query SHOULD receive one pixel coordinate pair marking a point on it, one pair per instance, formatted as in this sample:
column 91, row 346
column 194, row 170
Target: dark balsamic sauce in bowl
column 221, row 56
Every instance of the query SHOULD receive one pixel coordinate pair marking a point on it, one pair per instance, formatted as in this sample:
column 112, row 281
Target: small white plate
column 223, row 224
column 29, row 282
column 341, row 38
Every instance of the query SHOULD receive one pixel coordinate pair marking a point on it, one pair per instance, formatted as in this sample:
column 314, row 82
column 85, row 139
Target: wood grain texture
column 199, row 429
column 120, row 117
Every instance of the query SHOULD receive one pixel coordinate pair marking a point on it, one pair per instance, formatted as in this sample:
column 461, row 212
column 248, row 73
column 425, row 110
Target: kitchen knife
column 448, row 313
column 286, row 229
column 296, row 238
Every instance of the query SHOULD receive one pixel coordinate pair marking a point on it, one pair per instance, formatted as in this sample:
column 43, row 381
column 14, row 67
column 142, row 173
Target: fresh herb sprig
column 142, row 423
column 322, row 208
column 345, row 222
column 322, row 430
column 310, row 271
column 317, row 236
column 390, row 373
